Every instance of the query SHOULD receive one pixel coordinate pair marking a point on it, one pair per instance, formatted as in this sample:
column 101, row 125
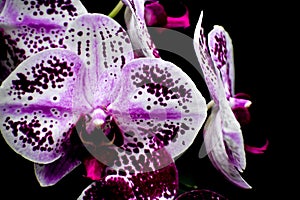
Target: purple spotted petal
column 221, row 51
column 222, row 55
column 137, row 29
column 200, row 195
column 210, row 72
column 156, row 185
column 36, row 104
column 217, row 149
column 158, row 101
column 105, row 48
column 112, row 187
column 28, row 27
column 50, row 174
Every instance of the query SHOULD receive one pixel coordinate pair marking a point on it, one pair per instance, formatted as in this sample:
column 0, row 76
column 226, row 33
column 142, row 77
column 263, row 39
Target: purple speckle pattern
column 31, row 26
column 156, row 185
column 217, row 44
column 221, row 51
column 32, row 121
column 158, row 108
column 210, row 72
column 104, row 47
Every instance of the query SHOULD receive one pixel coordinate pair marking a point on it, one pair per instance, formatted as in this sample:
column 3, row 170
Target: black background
column 255, row 30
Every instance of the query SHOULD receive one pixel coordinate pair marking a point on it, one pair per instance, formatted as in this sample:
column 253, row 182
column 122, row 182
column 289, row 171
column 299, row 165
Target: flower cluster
column 77, row 88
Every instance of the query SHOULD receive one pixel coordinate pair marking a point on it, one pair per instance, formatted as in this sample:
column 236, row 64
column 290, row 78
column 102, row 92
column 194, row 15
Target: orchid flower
column 28, row 27
column 222, row 132
column 167, row 176
column 133, row 111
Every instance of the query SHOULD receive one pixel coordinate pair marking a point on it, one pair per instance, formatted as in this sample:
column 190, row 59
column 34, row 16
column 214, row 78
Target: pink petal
column 257, row 150
column 36, row 105
column 94, row 168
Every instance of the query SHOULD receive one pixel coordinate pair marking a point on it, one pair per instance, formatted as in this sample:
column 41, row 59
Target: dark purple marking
column 220, row 50
column 33, row 137
column 50, row 73
column 160, row 84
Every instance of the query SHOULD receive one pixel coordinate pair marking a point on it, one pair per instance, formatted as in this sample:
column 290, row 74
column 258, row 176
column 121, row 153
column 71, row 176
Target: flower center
column 98, row 117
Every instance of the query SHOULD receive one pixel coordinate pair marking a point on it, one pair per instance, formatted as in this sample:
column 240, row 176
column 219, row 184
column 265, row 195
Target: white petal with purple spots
column 158, row 100
column 210, row 72
column 36, row 104
column 221, row 51
column 104, row 47
column 31, row 26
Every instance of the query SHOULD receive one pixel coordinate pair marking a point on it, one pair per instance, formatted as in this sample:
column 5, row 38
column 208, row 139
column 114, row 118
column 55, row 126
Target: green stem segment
column 116, row 10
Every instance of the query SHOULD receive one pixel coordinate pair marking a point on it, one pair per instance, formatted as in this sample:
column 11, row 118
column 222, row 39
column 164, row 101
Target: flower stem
column 210, row 104
column 116, row 10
